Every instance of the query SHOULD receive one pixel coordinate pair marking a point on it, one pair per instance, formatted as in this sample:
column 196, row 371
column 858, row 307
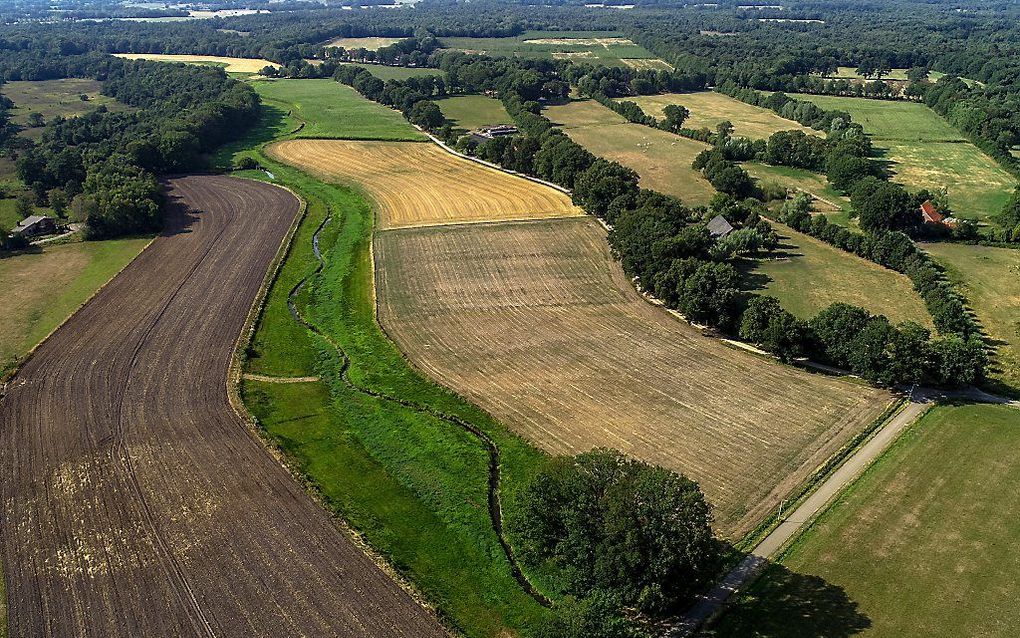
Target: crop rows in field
column 135, row 500
column 421, row 184
column 535, row 322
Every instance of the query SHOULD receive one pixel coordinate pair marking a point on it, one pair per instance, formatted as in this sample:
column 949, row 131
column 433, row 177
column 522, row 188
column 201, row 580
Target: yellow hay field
column 232, row 65
column 415, row 184
column 536, row 323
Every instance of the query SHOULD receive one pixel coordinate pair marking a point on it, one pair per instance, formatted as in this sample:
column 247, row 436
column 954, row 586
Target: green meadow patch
column 332, row 110
column 925, row 151
column 922, row 545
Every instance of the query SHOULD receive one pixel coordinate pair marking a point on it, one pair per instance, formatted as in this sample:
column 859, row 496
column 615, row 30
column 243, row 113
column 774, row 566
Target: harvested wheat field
column 134, row 500
column 535, row 322
column 416, row 184
column 231, row 65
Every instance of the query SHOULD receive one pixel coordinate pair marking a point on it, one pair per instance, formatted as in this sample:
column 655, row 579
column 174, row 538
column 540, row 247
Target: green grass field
column 329, row 109
column 52, row 98
column 413, row 485
column 662, row 159
column 924, row 151
column 923, row 545
column 810, row 275
column 828, row 199
column 605, row 47
column 709, row 108
column 990, row 280
column 397, row 72
column 42, row 289
column 472, row 111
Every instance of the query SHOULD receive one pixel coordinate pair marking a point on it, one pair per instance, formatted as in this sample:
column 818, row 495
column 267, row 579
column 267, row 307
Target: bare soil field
column 535, row 322
column 421, row 184
column 135, row 501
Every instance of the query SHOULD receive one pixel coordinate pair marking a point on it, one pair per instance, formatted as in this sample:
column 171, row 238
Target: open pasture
column 384, row 72
column 369, row 44
column 472, row 111
column 421, row 184
column 925, row 151
column 127, row 477
column 662, row 159
column 42, row 289
column 52, row 98
column 709, row 108
column 231, row 65
column 924, row 544
column 809, row 275
column 536, row 323
column 826, row 198
column 329, row 109
column 604, row 47
column 990, row 280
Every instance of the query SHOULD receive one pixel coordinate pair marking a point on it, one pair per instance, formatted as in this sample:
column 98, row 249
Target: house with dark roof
column 35, row 225
column 719, row 227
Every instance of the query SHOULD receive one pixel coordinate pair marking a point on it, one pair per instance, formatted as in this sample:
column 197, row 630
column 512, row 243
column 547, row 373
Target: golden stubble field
column 418, row 184
column 535, row 322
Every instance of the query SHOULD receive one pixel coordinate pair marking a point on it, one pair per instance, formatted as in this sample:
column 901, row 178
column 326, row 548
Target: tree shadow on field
column 785, row 604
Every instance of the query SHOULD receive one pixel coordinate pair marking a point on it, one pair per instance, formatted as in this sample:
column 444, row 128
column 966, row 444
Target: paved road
column 710, row 603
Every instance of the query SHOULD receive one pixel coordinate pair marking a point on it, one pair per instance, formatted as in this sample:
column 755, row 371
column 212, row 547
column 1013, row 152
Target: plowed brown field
column 535, row 322
column 134, row 501
column 417, row 184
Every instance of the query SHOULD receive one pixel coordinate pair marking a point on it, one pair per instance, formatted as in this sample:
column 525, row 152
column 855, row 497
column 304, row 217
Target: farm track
column 494, row 501
column 134, row 500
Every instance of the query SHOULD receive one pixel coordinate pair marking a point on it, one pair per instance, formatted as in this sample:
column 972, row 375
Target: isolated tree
column 35, row 120
column 676, row 115
column 637, row 532
column 24, row 206
column 58, row 201
column 882, row 205
column 723, row 131
column 918, row 74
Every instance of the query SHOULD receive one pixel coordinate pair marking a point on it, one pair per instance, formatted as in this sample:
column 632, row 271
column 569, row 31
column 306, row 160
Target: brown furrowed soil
column 535, row 322
column 415, row 184
column 134, row 500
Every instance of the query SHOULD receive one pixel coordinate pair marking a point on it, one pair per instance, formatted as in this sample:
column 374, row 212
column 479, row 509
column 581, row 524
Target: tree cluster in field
column 623, row 534
column 106, row 162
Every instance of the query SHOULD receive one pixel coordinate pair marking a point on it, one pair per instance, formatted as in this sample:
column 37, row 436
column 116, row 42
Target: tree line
column 105, row 162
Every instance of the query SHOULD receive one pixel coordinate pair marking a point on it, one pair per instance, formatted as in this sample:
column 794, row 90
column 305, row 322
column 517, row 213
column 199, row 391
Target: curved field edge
column 412, row 487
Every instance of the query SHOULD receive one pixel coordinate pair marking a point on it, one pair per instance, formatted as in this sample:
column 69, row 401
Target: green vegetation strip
column 413, row 485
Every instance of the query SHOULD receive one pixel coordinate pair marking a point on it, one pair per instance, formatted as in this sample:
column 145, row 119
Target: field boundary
column 495, row 503
column 271, row 447
column 4, row 379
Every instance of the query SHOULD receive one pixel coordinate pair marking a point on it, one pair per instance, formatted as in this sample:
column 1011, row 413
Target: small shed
column 36, row 225
column 719, row 227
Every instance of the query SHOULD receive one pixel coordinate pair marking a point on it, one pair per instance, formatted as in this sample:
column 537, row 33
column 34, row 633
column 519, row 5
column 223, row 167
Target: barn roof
column 719, row 227
column 929, row 213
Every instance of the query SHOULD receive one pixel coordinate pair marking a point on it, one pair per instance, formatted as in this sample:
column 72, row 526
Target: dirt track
column 133, row 500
